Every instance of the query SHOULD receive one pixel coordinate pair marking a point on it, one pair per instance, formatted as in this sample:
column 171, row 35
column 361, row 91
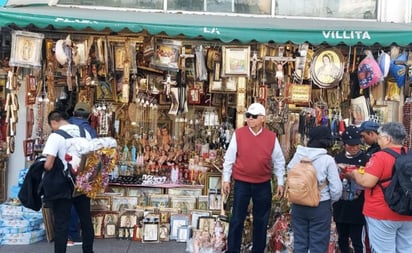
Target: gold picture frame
column 119, row 57
column 236, row 60
column 203, row 202
column 327, row 68
column 26, row 49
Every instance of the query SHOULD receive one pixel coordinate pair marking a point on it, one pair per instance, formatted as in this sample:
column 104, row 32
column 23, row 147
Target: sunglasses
column 248, row 115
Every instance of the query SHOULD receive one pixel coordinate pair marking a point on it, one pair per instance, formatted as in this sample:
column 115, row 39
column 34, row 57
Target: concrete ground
column 101, row 246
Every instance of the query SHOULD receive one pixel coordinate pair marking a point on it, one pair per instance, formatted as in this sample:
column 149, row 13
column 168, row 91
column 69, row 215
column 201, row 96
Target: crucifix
column 255, row 60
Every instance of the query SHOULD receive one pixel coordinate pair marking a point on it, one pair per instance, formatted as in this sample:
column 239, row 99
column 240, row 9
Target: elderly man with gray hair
column 388, row 231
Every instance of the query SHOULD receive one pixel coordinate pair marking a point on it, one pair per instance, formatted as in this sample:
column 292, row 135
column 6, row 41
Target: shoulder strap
column 393, row 152
column 64, row 133
column 68, row 136
column 82, row 131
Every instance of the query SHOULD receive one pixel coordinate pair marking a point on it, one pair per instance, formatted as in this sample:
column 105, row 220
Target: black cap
column 351, row 136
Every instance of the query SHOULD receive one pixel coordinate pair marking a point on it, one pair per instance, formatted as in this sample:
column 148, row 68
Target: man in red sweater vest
column 253, row 156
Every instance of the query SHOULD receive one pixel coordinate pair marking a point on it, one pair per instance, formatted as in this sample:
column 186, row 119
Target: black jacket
column 40, row 185
column 30, row 193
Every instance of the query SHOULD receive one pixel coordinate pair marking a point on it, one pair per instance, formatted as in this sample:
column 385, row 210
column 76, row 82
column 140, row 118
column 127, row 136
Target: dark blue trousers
column 261, row 195
column 74, row 233
column 311, row 227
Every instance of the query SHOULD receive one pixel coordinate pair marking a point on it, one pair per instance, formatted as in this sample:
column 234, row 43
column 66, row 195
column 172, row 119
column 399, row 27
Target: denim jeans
column 389, row 236
column 261, row 195
column 311, row 227
column 74, row 233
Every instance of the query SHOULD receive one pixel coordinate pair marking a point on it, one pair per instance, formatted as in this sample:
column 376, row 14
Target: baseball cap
column 351, row 136
column 82, row 107
column 369, row 126
column 256, row 109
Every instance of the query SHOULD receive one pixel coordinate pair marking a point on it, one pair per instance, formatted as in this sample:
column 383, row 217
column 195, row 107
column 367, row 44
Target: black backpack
column 398, row 194
column 59, row 183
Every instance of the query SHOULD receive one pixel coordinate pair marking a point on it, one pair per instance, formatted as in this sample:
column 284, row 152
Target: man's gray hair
column 395, row 130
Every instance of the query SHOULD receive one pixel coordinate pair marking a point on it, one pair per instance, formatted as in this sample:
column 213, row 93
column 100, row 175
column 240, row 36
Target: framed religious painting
column 183, row 233
column 206, row 223
column 28, row 147
column 26, row 49
column 97, row 220
column 151, row 228
column 105, row 90
column 166, row 55
column 203, row 202
column 193, row 96
column 196, row 214
column 213, row 181
column 177, row 221
column 119, row 57
column 166, row 213
column 100, row 203
column 31, row 90
column 326, row 68
column 164, row 231
column 110, row 224
column 236, row 60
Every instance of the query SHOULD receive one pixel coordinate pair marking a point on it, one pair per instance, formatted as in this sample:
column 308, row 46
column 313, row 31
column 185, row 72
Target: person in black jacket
column 347, row 212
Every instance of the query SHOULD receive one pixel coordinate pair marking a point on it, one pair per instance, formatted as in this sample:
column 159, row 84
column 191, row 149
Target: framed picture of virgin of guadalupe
column 327, row 68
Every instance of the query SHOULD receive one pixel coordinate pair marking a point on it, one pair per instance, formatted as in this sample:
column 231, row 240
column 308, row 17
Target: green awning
column 210, row 27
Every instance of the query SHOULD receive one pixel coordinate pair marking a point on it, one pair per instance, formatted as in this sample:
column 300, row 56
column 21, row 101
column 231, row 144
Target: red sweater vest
column 254, row 156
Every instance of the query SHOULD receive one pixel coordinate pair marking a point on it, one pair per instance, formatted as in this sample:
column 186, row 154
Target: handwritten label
column 150, row 179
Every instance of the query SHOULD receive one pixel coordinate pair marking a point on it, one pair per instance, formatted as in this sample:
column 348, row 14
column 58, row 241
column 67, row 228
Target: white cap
column 256, row 109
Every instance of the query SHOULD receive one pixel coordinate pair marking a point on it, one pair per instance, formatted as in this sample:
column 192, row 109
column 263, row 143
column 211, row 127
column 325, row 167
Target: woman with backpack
column 388, row 230
column 311, row 225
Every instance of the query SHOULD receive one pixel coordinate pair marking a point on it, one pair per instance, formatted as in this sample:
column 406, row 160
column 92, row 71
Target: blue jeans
column 389, row 236
column 311, row 227
column 261, row 195
column 74, row 233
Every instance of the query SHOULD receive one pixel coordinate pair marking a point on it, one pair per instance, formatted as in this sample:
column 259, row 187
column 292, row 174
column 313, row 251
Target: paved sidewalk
column 101, row 246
